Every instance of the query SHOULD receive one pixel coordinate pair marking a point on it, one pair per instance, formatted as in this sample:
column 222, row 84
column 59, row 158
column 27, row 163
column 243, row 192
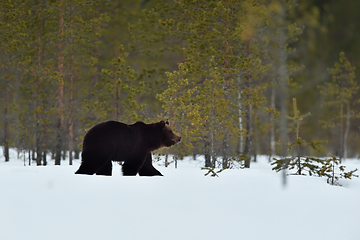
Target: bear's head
column 168, row 137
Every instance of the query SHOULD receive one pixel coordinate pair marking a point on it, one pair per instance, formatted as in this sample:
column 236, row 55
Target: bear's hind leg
column 148, row 169
column 85, row 168
column 91, row 163
column 106, row 169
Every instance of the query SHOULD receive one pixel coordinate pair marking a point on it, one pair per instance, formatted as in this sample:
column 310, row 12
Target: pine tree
column 153, row 49
column 40, row 76
column 301, row 164
column 12, row 33
column 340, row 93
column 37, row 82
column 83, row 24
column 115, row 95
column 217, row 50
column 334, row 172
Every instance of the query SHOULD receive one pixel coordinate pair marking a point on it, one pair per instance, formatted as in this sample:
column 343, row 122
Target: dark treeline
column 224, row 72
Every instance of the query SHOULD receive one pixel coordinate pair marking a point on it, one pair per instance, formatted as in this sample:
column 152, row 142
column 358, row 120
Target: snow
column 53, row 203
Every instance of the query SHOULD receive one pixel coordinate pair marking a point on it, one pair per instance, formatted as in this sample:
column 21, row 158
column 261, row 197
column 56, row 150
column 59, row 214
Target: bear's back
column 107, row 128
column 110, row 133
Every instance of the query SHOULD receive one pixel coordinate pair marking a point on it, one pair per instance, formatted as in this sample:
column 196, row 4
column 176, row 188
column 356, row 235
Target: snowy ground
column 42, row 203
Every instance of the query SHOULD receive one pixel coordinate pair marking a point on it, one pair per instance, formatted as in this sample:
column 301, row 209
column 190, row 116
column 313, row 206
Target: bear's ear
column 162, row 123
column 167, row 122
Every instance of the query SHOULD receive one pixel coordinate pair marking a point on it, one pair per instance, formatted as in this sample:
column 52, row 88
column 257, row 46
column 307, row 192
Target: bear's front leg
column 148, row 169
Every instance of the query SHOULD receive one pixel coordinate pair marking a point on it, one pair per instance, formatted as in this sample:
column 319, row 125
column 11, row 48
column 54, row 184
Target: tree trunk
column 248, row 138
column 44, row 158
column 212, row 149
column 272, row 130
column 256, row 138
column 38, row 143
column 29, row 157
column 341, row 126
column 207, row 153
column 347, row 129
column 248, row 119
column 283, row 90
column 58, row 144
column 117, row 104
column 44, row 161
column 167, row 157
column 241, row 138
column 6, row 122
column 226, row 87
column 77, row 153
column 225, row 159
column 60, row 90
column 71, row 121
column 212, row 138
column 33, row 153
column 37, row 100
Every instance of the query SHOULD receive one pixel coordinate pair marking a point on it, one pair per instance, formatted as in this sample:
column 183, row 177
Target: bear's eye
column 167, row 130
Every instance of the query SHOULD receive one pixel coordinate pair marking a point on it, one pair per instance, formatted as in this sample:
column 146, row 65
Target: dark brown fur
column 131, row 144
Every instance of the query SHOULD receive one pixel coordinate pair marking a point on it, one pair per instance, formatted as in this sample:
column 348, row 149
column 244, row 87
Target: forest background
column 234, row 78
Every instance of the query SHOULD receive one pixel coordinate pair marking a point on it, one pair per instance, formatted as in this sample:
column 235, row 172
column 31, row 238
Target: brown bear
column 131, row 144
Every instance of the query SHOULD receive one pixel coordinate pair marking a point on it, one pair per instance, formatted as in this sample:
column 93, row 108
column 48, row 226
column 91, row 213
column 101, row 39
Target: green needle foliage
column 221, row 60
column 312, row 166
column 12, row 34
column 299, row 165
column 208, row 66
column 340, row 93
column 116, row 93
column 212, row 172
column 333, row 171
column 181, row 106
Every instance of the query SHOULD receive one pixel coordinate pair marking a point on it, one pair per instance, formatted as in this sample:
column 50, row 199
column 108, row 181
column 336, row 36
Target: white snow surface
column 51, row 202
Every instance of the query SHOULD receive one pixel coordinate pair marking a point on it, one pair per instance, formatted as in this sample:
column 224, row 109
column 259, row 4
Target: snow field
column 53, row 203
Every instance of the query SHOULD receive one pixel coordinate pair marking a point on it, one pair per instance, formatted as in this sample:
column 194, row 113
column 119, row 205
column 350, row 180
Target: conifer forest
column 235, row 78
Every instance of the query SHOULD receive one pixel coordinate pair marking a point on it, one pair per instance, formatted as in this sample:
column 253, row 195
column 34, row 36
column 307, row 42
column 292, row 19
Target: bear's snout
column 174, row 140
column 177, row 139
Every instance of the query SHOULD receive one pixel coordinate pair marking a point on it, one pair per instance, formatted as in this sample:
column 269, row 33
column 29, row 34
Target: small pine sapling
column 331, row 169
column 237, row 161
column 212, row 171
column 301, row 164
